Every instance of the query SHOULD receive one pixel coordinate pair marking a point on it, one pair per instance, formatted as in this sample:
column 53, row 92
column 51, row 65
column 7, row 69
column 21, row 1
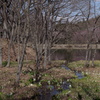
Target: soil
column 7, row 84
column 29, row 55
column 27, row 91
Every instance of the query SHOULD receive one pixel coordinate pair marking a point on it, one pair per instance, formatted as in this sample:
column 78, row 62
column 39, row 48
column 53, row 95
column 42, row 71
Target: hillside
column 29, row 55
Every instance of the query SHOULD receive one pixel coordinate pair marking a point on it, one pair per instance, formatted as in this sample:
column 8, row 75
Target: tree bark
column 45, row 55
column 0, row 54
column 9, row 46
column 93, row 57
column 20, row 64
column 87, row 55
column 37, row 69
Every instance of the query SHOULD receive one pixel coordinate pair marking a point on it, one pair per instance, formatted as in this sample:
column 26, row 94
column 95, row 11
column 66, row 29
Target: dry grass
column 7, row 87
column 60, row 73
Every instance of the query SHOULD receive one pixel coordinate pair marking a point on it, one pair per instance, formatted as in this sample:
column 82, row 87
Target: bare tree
column 45, row 18
column 87, row 10
column 26, row 29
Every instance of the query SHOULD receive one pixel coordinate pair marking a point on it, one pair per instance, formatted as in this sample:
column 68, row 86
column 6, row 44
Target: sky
column 97, row 11
column 98, row 6
column 97, row 0
column 98, row 3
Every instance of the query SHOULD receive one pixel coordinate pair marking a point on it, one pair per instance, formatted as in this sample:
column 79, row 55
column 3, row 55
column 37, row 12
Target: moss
column 45, row 75
column 86, row 88
column 4, row 63
column 56, row 97
column 97, row 63
column 81, row 63
column 14, row 63
column 58, row 74
column 76, row 64
column 55, row 82
column 6, row 96
column 2, row 97
column 64, row 92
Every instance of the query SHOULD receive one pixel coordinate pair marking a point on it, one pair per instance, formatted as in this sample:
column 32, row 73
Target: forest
column 31, row 68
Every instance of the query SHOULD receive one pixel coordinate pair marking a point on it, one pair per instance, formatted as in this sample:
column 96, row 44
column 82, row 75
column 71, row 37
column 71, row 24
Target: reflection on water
column 79, row 75
column 71, row 55
column 47, row 92
column 65, row 67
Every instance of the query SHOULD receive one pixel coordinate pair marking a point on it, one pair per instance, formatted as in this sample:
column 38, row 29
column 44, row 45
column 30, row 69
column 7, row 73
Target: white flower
column 70, row 86
column 31, row 85
column 34, row 79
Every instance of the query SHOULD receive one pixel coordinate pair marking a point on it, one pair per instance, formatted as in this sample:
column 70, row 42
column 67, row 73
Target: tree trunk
column 88, row 55
column 0, row 55
column 89, row 58
column 9, row 46
column 4, row 21
column 49, row 55
column 14, row 51
column 37, row 69
column 9, row 56
column 94, row 54
column 86, row 59
column 49, row 52
column 45, row 55
column 20, row 64
column 18, row 40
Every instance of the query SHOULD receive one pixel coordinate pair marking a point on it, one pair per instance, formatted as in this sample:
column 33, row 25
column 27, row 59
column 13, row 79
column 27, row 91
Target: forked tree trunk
column 26, row 34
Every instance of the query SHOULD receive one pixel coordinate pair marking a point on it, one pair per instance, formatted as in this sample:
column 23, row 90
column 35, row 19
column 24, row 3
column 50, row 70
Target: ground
column 29, row 55
column 87, row 88
column 27, row 88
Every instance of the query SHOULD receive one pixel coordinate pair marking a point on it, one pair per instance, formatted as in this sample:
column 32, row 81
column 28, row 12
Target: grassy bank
column 87, row 88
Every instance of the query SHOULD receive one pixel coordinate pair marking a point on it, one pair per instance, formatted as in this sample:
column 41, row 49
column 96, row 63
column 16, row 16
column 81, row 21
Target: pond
column 71, row 55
